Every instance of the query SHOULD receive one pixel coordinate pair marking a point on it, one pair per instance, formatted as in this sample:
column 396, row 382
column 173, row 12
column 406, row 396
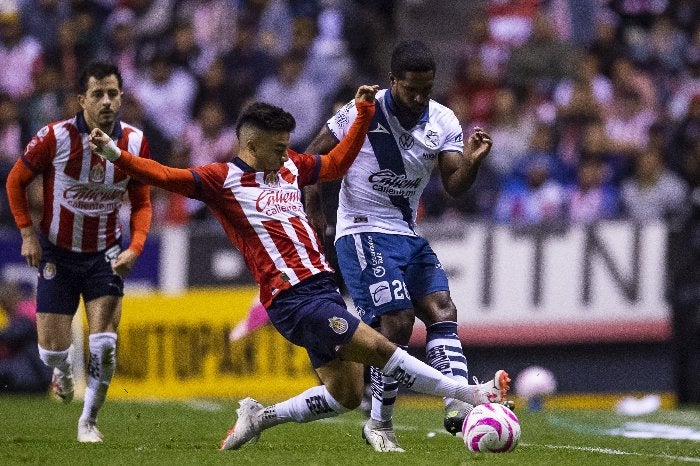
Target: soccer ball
column 491, row 427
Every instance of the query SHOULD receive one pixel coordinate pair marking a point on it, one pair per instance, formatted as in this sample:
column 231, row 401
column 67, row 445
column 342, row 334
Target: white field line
column 609, row 451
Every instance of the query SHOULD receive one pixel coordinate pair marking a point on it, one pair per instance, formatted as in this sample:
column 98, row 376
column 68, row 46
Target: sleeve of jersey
column 17, row 181
column 454, row 140
column 37, row 156
column 337, row 162
column 177, row 180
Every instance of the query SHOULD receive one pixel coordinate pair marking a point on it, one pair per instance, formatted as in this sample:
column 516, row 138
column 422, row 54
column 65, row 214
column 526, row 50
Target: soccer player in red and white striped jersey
column 78, row 250
column 257, row 199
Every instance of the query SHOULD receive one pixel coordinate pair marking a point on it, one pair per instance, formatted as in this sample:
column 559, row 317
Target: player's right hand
column 366, row 93
column 31, row 249
column 103, row 145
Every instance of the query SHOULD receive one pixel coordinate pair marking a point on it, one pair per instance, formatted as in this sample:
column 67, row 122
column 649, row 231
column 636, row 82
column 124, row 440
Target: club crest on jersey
column 406, row 141
column 49, row 271
column 97, row 173
column 271, row 178
column 431, row 138
column 338, row 325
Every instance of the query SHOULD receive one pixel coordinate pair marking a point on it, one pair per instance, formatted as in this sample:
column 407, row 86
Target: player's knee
column 398, row 326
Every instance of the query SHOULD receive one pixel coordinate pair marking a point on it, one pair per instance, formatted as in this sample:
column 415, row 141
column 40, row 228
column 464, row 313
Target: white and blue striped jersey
column 380, row 192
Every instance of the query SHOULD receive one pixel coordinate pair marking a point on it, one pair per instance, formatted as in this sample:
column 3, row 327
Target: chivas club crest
column 338, row 325
column 49, row 271
column 97, row 173
column 271, row 178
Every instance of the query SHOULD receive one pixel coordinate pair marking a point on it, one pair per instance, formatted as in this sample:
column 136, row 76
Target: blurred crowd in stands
column 593, row 105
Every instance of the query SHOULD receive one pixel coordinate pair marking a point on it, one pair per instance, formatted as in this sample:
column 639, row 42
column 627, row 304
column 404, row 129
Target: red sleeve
column 308, row 166
column 337, row 162
column 17, row 181
column 41, row 149
column 140, row 198
column 37, row 157
column 176, row 180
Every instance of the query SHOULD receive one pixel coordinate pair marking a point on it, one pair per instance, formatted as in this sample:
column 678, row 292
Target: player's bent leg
column 341, row 392
column 54, row 339
column 371, row 348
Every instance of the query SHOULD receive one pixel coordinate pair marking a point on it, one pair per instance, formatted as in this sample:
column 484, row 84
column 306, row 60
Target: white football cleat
column 493, row 391
column 88, row 432
column 247, row 426
column 381, row 436
column 62, row 385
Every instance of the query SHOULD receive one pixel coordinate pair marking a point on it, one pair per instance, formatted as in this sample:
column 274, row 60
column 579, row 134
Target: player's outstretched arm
column 338, row 161
column 177, row 180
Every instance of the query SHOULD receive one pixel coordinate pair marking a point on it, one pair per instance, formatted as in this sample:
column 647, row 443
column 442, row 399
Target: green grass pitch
column 41, row 431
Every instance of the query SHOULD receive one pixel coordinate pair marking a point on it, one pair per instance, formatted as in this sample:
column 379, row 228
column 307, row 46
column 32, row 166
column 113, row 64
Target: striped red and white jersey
column 263, row 216
column 82, row 193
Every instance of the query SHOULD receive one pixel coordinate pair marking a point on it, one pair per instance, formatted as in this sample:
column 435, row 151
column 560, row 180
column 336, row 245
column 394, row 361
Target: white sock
column 384, row 391
column 311, row 405
column 422, row 378
column 57, row 359
column 100, row 370
column 443, row 351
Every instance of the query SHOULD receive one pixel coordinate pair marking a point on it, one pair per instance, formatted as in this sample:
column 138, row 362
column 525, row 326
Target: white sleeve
column 339, row 123
column 454, row 137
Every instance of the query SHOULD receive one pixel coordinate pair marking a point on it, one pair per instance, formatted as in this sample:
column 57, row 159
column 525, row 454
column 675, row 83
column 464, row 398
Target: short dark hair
column 411, row 55
column 267, row 117
column 98, row 70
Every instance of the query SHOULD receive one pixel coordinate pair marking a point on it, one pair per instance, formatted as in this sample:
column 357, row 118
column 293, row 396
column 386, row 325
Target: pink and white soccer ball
column 491, row 427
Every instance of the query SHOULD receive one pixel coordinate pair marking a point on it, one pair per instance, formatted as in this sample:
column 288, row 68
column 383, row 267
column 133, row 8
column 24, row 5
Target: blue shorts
column 66, row 275
column 313, row 315
column 384, row 272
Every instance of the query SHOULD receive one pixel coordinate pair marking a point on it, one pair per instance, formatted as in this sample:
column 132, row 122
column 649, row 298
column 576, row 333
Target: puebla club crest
column 431, row 138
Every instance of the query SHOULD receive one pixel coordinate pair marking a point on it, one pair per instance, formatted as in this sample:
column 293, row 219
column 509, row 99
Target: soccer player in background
column 391, row 272
column 78, row 249
column 257, row 199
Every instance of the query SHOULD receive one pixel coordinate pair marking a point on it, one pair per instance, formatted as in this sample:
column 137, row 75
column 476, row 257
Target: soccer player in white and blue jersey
column 391, row 272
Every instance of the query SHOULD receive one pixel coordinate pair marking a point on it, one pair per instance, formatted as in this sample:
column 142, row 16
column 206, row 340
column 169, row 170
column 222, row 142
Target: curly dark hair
column 267, row 117
column 411, row 55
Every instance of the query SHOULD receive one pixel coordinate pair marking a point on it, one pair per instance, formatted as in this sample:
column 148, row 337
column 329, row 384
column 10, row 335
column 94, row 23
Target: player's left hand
column 479, row 144
column 124, row 262
column 102, row 145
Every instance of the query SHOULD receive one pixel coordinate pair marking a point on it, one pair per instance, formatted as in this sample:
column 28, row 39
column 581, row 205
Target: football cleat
column 493, row 391
column 510, row 404
column 455, row 414
column 380, row 435
column 88, row 432
column 62, row 385
column 247, row 426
